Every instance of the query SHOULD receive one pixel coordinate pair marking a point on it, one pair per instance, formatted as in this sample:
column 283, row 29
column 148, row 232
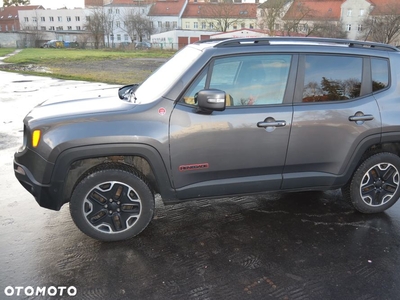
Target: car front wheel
column 112, row 204
column 375, row 185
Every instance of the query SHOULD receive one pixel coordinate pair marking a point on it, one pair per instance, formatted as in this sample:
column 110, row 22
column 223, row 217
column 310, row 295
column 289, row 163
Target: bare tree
column 95, row 26
column 383, row 25
column 272, row 12
column 296, row 20
column 329, row 29
column 7, row 3
column 137, row 25
column 222, row 14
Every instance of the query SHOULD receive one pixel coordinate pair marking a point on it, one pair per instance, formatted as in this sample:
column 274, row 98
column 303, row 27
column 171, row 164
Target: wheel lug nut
column 118, row 210
column 118, row 202
column 110, row 200
column 105, row 206
column 110, row 212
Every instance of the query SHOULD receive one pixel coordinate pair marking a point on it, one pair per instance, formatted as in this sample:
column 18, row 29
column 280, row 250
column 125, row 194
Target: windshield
column 162, row 79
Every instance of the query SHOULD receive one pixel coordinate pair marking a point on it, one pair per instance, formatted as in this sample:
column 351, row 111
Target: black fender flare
column 71, row 155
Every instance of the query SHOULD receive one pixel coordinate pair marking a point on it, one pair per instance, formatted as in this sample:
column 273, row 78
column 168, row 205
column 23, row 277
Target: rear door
column 334, row 113
column 243, row 148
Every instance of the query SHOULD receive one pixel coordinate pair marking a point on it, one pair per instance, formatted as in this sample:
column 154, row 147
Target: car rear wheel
column 375, row 185
column 112, row 204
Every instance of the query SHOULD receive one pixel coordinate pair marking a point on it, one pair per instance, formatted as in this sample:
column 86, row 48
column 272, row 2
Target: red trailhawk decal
column 193, row 167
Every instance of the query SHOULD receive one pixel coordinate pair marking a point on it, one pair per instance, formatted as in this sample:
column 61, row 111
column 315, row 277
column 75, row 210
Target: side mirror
column 211, row 100
column 125, row 92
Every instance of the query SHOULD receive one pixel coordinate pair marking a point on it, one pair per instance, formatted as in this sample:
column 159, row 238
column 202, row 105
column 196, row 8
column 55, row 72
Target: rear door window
column 332, row 78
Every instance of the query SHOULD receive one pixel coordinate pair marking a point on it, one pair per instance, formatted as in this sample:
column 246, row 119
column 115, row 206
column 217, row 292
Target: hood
column 62, row 108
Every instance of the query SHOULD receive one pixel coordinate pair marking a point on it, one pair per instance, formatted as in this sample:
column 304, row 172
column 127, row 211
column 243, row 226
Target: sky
column 56, row 3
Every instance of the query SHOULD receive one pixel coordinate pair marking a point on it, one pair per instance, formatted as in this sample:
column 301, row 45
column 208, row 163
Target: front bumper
column 46, row 195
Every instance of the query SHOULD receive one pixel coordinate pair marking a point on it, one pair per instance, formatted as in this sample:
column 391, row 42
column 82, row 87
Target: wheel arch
column 366, row 150
column 74, row 163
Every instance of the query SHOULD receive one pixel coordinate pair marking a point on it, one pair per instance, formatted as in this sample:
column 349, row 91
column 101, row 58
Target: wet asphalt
column 309, row 245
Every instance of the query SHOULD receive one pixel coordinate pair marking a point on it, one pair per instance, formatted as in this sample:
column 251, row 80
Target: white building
column 118, row 16
column 353, row 14
column 53, row 19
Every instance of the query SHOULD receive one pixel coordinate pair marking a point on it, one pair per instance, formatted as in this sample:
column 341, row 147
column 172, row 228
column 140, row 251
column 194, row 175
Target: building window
column 243, row 25
column 277, row 26
column 60, row 28
column 43, row 19
column 174, row 24
column 211, row 25
column 349, row 11
column 203, row 25
column 26, row 19
column 69, row 27
column 110, row 10
column 34, row 19
column 118, row 37
column 78, row 18
column 251, row 26
column 159, row 24
column 51, row 28
column 348, row 27
column 117, row 11
column 187, row 25
column 60, row 19
column 51, row 19
column 43, row 28
column 12, row 28
column 68, row 19
column 27, row 28
column 6, row 27
column 362, row 12
column 87, row 18
column 78, row 27
column 118, row 23
column 167, row 24
column 195, row 25
column 126, row 37
column 234, row 26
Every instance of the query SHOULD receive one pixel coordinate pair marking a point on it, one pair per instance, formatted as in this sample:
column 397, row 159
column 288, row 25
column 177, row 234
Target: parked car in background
column 53, row 44
column 60, row 44
column 142, row 45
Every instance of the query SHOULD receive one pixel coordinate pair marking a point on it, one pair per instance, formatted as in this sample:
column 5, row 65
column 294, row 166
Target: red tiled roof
column 130, row 2
column 204, row 10
column 385, row 7
column 316, row 10
column 12, row 11
column 166, row 8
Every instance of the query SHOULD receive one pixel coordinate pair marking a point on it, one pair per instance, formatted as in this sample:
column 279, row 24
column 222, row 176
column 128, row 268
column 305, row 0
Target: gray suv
column 220, row 118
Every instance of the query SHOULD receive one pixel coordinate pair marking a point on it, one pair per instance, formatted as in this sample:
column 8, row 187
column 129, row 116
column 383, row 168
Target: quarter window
column 332, row 78
column 380, row 74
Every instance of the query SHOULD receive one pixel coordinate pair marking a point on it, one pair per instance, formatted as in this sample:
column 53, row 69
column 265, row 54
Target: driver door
column 243, row 148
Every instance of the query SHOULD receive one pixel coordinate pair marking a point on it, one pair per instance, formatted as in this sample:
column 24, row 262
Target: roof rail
column 305, row 40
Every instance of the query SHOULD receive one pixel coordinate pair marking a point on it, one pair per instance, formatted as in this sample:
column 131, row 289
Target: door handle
column 360, row 117
column 271, row 124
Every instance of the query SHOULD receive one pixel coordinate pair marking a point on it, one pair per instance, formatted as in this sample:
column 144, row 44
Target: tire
column 112, row 205
column 375, row 185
